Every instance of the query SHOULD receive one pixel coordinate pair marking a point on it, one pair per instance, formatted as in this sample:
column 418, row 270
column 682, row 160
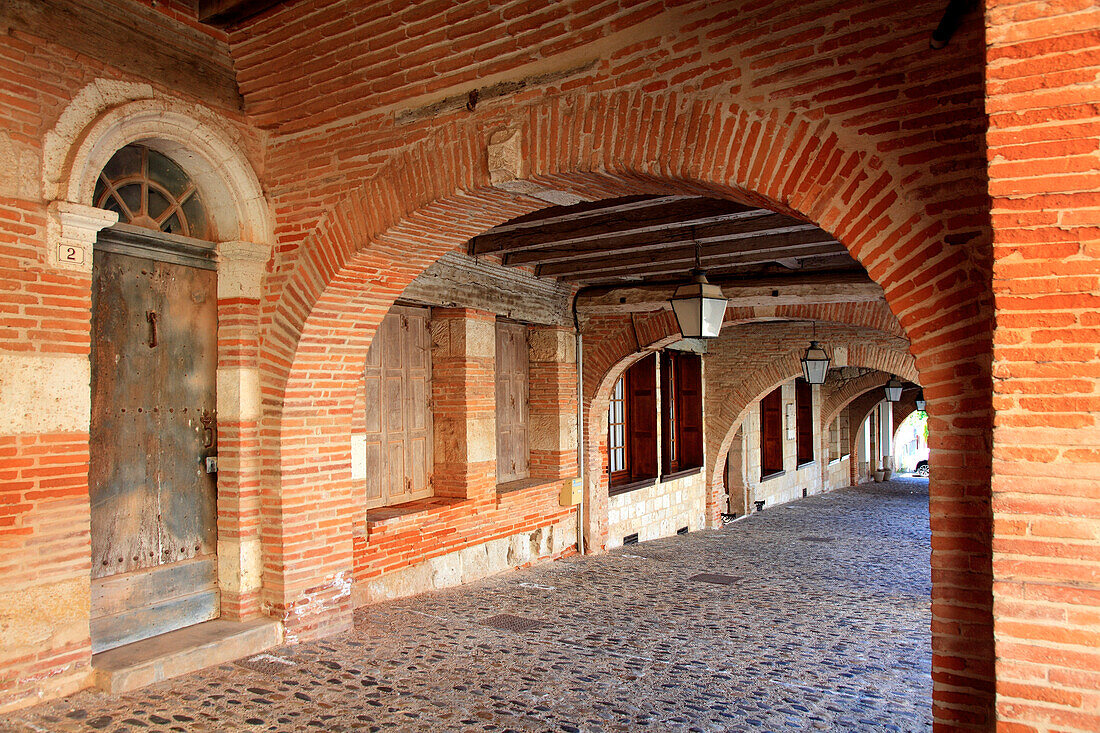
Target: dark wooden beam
column 793, row 289
column 223, row 13
column 718, row 252
column 642, row 217
column 620, row 243
column 682, row 265
column 133, row 38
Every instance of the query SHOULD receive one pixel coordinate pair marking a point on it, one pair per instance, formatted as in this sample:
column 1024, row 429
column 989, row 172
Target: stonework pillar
column 464, row 402
column 45, row 390
column 552, row 414
column 241, row 268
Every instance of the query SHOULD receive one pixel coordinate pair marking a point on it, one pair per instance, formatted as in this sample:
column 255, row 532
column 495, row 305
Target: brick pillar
column 1043, row 83
column 552, row 415
column 464, row 402
column 45, row 390
column 240, row 560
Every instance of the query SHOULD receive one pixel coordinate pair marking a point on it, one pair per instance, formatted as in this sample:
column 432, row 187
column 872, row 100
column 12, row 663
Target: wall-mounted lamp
column 921, row 403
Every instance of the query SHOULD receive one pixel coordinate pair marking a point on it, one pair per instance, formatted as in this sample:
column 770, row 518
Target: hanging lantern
column 893, row 390
column 815, row 362
column 699, row 306
column 921, row 403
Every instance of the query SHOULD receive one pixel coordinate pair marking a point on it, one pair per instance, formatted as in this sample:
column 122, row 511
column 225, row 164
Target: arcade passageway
column 822, row 623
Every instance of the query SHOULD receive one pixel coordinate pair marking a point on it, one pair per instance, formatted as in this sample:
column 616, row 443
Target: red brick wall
column 1043, row 62
column 44, row 511
column 835, row 111
column 854, row 124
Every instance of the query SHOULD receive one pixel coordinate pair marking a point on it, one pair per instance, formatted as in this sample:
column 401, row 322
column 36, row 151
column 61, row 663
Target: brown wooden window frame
column 804, row 421
column 771, row 433
column 640, row 416
column 681, row 412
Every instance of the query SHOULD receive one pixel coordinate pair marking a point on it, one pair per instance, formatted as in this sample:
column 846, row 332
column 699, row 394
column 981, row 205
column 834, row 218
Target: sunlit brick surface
column 826, row 628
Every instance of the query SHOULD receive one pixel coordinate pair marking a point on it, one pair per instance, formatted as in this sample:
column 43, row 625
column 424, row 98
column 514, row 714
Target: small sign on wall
column 790, row 421
column 70, row 254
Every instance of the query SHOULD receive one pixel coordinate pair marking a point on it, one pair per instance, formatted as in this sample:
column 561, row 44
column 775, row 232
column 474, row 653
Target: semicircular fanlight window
column 149, row 190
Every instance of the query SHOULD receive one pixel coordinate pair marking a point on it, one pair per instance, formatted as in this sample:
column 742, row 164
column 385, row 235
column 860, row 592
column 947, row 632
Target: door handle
column 209, row 427
column 152, row 318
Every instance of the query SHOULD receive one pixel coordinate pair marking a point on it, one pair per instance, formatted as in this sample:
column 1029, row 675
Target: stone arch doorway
column 431, row 197
column 236, row 239
column 153, row 432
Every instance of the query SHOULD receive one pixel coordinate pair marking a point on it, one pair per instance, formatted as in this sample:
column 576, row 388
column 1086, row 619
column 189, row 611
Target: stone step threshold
column 184, row 650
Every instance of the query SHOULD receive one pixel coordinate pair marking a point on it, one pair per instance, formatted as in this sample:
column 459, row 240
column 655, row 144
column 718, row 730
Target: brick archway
column 436, row 194
column 778, row 371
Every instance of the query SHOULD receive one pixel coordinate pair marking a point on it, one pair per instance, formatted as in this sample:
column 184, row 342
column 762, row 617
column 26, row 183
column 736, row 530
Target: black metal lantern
column 893, row 390
column 921, row 403
column 815, row 362
column 700, row 307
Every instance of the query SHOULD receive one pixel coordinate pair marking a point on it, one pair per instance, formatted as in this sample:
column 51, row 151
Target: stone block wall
column 658, row 510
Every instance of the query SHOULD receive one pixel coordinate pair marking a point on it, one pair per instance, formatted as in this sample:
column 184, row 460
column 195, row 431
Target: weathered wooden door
column 513, row 456
column 398, row 420
column 154, row 360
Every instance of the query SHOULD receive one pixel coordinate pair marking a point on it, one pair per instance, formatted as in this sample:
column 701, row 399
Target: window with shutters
column 804, row 420
column 616, row 432
column 398, row 418
column 771, row 433
column 682, row 411
column 513, row 456
column 632, row 425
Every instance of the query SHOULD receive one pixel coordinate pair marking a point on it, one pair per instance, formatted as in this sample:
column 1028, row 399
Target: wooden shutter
column 771, row 433
column 641, row 386
column 398, row 422
column 512, row 397
column 804, row 420
column 669, row 426
column 690, row 394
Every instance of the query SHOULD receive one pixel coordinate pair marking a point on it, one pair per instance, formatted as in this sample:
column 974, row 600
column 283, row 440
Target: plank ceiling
column 651, row 239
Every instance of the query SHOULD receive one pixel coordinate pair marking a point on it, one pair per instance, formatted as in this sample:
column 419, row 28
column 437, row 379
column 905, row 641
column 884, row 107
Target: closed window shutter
column 804, row 420
column 690, row 413
column 771, row 433
column 642, row 414
column 398, row 420
column 669, row 427
column 513, row 456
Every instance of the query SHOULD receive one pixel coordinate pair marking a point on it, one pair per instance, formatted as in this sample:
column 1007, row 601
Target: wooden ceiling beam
column 675, row 214
column 807, row 289
column 223, row 13
column 618, row 243
column 683, row 265
column 778, row 246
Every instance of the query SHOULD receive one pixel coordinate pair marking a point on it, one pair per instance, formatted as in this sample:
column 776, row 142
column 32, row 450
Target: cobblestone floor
column 825, row 627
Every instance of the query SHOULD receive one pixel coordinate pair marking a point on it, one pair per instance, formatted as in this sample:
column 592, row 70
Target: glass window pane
column 157, row 203
column 126, row 162
column 131, row 196
column 195, row 214
column 172, row 226
column 164, row 171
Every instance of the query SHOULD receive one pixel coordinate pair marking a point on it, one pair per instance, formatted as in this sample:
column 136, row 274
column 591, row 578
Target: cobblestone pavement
column 824, row 627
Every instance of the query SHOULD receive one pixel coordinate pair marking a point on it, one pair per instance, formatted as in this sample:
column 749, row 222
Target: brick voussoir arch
column 736, row 404
column 434, row 195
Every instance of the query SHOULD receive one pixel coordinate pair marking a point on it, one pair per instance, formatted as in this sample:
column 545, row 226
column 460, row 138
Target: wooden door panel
column 153, row 422
column 187, row 342
column 376, row 467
